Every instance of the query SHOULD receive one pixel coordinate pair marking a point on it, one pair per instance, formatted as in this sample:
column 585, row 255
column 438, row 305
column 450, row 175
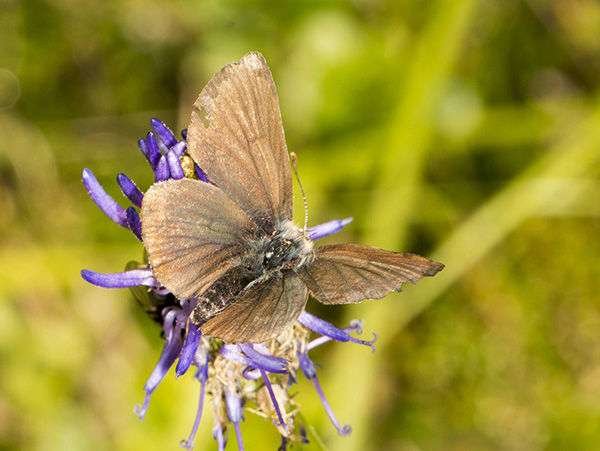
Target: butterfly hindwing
column 262, row 311
column 349, row 273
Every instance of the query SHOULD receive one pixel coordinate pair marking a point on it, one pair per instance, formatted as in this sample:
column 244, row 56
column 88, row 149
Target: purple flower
column 235, row 376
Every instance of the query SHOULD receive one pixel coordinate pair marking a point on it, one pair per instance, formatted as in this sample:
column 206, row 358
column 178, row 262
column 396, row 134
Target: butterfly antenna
column 295, row 164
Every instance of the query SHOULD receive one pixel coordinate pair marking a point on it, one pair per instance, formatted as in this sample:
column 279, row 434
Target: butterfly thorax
column 285, row 248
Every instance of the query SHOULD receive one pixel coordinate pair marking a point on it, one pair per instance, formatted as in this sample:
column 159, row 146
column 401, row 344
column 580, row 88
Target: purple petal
column 144, row 148
column 161, row 291
column 322, row 327
column 130, row 190
column 189, row 443
column 125, row 279
column 187, row 306
column 184, row 133
column 308, row 368
column 306, row 365
column 153, row 150
column 327, row 228
column 251, row 373
column 258, row 360
column 262, row 361
column 201, row 175
column 175, row 168
column 167, row 358
column 163, row 132
column 201, row 360
column 217, row 433
column 355, row 326
column 179, row 148
column 106, row 203
column 281, row 423
column 162, row 170
column 234, row 406
column 190, row 346
column 232, row 352
column 234, row 412
column 135, row 224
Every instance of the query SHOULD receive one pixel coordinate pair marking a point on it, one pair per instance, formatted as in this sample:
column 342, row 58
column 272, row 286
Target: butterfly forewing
column 347, row 273
column 242, row 149
column 262, row 311
column 193, row 234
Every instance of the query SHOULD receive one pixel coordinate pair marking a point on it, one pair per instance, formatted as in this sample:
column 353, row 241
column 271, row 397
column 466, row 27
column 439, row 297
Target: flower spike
column 237, row 376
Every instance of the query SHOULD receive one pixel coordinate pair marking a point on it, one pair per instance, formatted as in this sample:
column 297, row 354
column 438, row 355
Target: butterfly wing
column 347, row 273
column 262, row 311
column 193, row 233
column 242, row 148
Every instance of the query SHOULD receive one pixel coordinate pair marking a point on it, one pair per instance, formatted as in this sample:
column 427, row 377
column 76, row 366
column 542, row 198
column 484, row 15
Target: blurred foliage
column 467, row 131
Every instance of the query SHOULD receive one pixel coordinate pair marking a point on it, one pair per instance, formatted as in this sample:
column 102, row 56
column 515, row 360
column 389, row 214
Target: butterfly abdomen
column 219, row 295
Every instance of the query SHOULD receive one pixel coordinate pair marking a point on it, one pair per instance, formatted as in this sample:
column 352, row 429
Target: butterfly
column 231, row 244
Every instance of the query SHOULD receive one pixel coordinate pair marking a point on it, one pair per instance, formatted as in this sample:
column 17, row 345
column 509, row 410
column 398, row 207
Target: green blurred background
column 467, row 131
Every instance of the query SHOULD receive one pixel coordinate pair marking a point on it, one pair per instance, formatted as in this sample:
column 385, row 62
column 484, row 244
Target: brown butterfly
column 232, row 244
